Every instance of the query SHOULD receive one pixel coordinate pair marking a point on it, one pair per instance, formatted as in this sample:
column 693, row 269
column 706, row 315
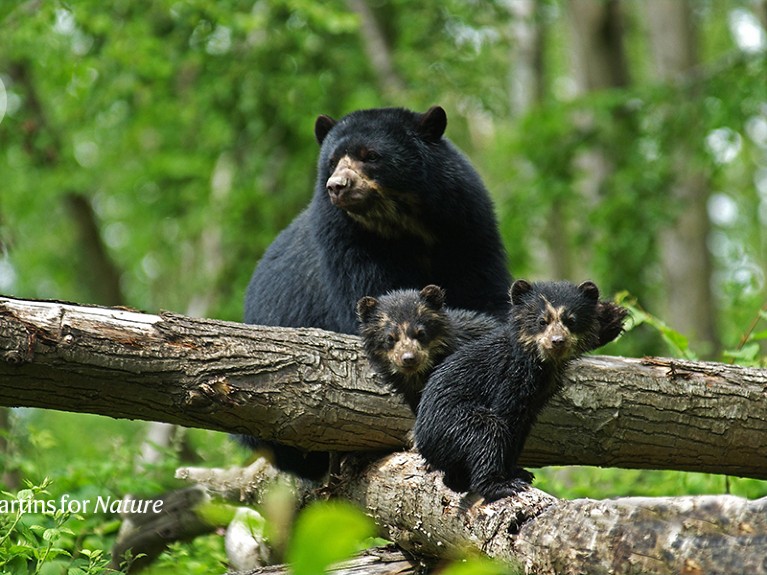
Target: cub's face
column 556, row 320
column 408, row 347
column 405, row 332
column 551, row 332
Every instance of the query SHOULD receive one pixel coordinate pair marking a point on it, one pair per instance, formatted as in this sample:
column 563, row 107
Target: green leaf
column 678, row 342
column 51, row 534
column 216, row 513
column 747, row 355
column 325, row 533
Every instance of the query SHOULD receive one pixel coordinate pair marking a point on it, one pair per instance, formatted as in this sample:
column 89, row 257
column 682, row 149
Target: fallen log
column 314, row 389
column 665, row 535
column 716, row 534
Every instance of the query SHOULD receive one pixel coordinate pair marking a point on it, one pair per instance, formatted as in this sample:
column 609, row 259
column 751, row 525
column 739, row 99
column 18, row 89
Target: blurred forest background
column 151, row 151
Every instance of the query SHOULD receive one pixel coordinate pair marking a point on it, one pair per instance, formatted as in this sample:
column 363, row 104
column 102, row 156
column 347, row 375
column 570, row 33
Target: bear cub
column 479, row 405
column 407, row 333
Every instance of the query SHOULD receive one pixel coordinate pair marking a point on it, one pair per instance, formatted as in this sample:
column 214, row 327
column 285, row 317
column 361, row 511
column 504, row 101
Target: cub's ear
column 434, row 296
column 590, row 290
column 432, row 124
column 518, row 289
column 322, row 126
column 365, row 308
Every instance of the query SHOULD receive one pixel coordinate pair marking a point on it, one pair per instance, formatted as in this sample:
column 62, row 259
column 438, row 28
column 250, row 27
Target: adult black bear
column 479, row 405
column 407, row 333
column 396, row 205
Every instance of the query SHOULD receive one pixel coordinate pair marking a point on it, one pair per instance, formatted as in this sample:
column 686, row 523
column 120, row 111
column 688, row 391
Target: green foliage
column 678, row 344
column 36, row 536
column 203, row 556
column 47, row 449
column 574, row 482
column 325, row 533
column 749, row 351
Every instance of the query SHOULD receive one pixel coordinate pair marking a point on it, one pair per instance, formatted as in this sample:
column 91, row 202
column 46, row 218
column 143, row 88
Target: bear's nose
column 336, row 184
column 408, row 358
column 557, row 340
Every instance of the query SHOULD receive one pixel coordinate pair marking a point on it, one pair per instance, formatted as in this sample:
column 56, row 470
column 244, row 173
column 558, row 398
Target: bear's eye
column 391, row 339
column 569, row 320
column 367, row 155
column 420, row 334
column 542, row 322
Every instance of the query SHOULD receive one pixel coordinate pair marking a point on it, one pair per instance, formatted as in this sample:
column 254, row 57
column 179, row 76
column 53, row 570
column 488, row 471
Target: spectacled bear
column 407, row 333
column 479, row 405
column 396, row 205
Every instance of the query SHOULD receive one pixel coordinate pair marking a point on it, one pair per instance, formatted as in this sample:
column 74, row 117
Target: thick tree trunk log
column 663, row 535
column 666, row 535
column 314, row 389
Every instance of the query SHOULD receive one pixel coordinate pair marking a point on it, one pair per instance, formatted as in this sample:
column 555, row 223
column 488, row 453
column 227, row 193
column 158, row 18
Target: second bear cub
column 479, row 405
column 407, row 333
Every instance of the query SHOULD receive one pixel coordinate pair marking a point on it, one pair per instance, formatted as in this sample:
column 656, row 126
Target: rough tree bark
column 314, row 389
column 663, row 535
column 673, row 535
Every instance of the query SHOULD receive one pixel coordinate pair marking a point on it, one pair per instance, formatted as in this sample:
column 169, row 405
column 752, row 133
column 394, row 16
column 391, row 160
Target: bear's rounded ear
column 518, row 289
column 322, row 126
column 434, row 296
column 365, row 308
column 590, row 290
column 432, row 124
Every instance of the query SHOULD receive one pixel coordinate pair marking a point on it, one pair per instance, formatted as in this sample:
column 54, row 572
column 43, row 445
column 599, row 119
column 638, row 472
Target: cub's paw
column 508, row 488
column 523, row 474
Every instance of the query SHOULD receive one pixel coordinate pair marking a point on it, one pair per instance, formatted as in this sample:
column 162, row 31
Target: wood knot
column 15, row 357
column 207, row 395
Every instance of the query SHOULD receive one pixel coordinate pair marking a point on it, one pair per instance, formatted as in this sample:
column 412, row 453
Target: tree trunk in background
column 9, row 478
column 100, row 273
column 684, row 252
column 599, row 58
column 526, row 79
column 599, row 63
column 377, row 49
column 526, row 90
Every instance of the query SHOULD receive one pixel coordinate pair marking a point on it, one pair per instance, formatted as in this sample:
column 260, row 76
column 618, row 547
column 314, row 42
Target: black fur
column 407, row 333
column 479, row 405
column 396, row 205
